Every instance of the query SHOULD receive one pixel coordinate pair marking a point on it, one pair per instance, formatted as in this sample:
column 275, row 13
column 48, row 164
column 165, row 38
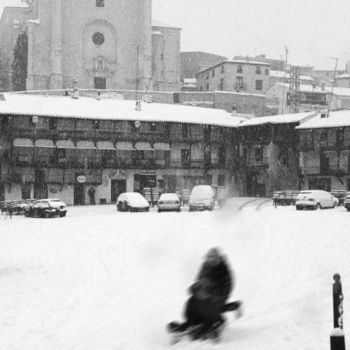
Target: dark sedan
column 46, row 208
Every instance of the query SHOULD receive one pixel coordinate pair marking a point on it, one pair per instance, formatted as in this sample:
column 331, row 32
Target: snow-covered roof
column 282, row 74
column 112, row 109
column 343, row 76
column 334, row 120
column 338, row 91
column 254, row 63
column 156, row 23
column 279, row 119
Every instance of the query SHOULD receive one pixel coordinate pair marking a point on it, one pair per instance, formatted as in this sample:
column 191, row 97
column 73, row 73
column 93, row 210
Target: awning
column 86, row 145
column 105, row 145
column 69, row 144
column 125, row 146
column 44, row 143
column 23, row 143
column 143, row 146
column 161, row 146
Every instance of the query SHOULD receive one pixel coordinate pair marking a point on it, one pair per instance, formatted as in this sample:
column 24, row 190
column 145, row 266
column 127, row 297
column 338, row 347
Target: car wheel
column 47, row 215
column 146, row 210
column 179, row 210
column 62, row 215
column 348, row 209
column 297, row 207
column 131, row 209
column 159, row 211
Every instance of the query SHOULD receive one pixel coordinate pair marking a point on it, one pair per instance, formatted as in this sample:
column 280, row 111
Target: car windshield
column 169, row 197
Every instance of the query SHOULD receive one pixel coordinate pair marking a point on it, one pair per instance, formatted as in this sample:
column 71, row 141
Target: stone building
column 236, row 75
column 100, row 44
column 60, row 146
column 325, row 151
column 269, row 154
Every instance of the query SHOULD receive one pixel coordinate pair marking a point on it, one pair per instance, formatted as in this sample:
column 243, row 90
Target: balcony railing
column 258, row 162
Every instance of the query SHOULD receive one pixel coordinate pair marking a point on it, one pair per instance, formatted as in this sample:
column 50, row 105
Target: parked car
column 132, row 201
column 315, row 199
column 202, row 198
column 347, row 202
column 340, row 194
column 169, row 202
column 46, row 208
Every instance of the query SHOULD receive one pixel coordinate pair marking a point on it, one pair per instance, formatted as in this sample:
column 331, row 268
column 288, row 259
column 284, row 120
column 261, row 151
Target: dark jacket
column 220, row 277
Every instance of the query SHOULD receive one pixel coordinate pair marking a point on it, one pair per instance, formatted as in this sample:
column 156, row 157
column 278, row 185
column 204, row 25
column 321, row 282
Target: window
column 213, row 73
column 207, row 86
column 259, row 154
column 98, row 38
column 258, row 70
column 222, row 69
column 221, row 85
column 153, row 127
column 258, row 85
column 185, row 157
column 96, row 124
column 100, row 3
column 222, row 156
column 221, row 180
column 53, row 124
column 184, row 131
column 324, row 136
column 239, row 69
column 266, row 72
column 239, row 82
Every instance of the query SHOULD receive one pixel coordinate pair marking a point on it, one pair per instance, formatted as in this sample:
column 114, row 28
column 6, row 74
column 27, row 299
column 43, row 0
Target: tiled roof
column 279, row 119
column 112, row 109
column 335, row 119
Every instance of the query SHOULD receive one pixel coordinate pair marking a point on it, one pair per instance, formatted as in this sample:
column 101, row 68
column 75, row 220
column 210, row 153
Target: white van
column 315, row 199
column 202, row 198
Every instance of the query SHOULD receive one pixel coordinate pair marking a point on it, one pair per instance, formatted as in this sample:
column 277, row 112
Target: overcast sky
column 312, row 30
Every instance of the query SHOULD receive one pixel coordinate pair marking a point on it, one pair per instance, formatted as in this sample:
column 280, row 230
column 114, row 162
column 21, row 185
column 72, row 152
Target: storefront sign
column 81, row 179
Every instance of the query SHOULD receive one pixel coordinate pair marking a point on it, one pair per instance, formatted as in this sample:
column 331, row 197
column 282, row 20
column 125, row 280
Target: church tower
column 101, row 44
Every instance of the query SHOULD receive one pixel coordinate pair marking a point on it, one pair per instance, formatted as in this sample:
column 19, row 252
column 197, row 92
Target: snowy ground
column 99, row 279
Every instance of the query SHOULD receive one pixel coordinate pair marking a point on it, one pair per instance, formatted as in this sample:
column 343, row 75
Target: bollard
column 337, row 337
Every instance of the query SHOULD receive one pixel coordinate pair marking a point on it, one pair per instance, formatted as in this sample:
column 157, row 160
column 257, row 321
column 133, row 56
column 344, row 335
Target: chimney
column 324, row 114
column 138, row 106
column 234, row 110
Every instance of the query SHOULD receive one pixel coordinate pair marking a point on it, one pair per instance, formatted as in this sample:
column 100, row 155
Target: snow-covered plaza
column 100, row 279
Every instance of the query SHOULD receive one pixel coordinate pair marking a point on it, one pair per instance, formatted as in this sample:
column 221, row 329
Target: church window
column 100, row 3
column 98, row 38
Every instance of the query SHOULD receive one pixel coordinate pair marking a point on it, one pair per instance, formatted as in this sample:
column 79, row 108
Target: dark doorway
column 142, row 181
column 100, row 83
column 26, row 187
column 79, row 194
column 40, row 186
column 117, row 187
column 2, row 192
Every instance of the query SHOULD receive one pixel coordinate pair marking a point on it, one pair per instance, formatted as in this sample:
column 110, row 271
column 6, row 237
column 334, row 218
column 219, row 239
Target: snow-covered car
column 315, row 199
column 169, row 202
column 132, row 201
column 347, row 202
column 202, row 198
column 46, row 208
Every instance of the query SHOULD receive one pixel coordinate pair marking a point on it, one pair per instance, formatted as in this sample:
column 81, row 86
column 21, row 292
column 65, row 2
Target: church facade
column 99, row 44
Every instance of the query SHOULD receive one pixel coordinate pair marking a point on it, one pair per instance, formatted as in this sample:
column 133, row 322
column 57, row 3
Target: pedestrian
column 91, row 192
column 216, row 269
column 208, row 300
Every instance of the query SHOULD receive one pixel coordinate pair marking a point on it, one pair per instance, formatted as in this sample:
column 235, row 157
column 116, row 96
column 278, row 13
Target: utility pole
column 285, row 78
column 294, row 89
column 333, row 82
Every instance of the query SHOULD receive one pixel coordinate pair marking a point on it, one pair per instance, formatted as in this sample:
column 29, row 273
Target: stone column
column 56, row 77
